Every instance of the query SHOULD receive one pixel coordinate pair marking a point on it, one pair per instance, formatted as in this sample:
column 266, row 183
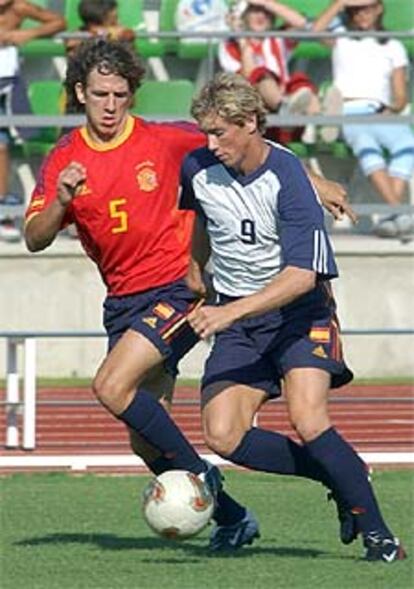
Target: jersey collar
column 111, row 144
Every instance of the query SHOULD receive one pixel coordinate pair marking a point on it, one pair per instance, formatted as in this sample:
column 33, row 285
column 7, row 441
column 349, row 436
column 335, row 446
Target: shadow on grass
column 188, row 548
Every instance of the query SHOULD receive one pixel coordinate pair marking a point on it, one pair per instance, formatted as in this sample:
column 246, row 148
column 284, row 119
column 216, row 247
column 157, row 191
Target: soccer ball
column 177, row 504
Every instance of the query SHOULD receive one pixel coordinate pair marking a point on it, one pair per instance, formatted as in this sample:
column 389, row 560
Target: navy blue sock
column 349, row 475
column 159, row 465
column 228, row 511
column 272, row 452
column 149, row 418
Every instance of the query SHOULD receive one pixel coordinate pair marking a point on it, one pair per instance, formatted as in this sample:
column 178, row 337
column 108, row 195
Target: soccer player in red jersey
column 117, row 179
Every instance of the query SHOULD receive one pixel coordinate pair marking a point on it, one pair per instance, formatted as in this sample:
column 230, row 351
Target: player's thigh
column 124, row 369
column 306, row 391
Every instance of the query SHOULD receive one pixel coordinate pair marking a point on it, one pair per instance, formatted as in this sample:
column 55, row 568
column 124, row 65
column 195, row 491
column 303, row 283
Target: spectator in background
column 370, row 77
column 13, row 95
column 100, row 17
column 195, row 16
column 265, row 61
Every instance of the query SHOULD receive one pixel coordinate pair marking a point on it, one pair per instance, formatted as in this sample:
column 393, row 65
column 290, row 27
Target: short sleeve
column 398, row 54
column 304, row 240
column 44, row 192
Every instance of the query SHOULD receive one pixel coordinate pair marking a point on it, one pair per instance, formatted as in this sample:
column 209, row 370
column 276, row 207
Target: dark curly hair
column 107, row 57
column 94, row 12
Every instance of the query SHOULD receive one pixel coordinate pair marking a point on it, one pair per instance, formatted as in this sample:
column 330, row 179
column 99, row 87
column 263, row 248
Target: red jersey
column 126, row 212
column 272, row 53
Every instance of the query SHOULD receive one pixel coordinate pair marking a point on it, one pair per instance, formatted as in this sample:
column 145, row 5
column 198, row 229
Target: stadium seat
column 170, row 98
column 130, row 14
column 41, row 47
column 46, row 98
column 399, row 16
column 312, row 49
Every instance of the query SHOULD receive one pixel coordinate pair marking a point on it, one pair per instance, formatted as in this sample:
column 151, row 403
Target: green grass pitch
column 62, row 531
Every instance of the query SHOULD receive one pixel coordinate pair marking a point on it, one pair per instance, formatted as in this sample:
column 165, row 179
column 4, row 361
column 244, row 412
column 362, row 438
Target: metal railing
column 211, row 38
column 28, row 340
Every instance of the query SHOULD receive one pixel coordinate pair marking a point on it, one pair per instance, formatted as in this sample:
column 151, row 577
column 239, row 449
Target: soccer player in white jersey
column 260, row 218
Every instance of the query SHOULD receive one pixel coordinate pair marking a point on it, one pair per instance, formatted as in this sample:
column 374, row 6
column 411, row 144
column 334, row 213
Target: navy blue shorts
column 160, row 315
column 259, row 351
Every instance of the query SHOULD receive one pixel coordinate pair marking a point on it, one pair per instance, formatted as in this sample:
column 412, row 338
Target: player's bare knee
column 221, row 439
column 111, row 393
column 309, row 428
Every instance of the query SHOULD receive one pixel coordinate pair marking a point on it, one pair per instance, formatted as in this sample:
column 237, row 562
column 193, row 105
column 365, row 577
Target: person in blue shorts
column 140, row 245
column 275, row 323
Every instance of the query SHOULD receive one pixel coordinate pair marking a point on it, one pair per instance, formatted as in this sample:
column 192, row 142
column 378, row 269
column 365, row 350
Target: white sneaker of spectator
column 396, row 226
column 298, row 103
column 8, row 230
column 309, row 135
column 331, row 106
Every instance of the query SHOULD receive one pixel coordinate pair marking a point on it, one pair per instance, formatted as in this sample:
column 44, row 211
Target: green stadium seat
column 310, row 49
column 130, row 14
column 169, row 98
column 46, row 98
column 41, row 47
column 399, row 16
column 167, row 24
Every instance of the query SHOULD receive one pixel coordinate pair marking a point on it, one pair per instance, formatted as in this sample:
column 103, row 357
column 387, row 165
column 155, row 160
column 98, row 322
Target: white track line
column 83, row 462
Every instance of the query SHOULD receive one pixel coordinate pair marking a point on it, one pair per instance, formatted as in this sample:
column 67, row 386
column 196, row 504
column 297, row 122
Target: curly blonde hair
column 231, row 97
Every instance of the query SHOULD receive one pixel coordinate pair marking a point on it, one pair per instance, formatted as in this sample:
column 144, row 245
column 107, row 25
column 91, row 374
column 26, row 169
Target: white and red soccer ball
column 177, row 504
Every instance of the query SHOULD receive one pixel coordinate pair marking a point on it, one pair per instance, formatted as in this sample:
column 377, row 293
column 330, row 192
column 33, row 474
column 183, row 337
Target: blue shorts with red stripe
column 160, row 315
column 259, row 351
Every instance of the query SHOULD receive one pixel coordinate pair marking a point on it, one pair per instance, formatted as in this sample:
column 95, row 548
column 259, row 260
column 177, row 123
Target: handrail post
column 12, row 394
column 29, row 406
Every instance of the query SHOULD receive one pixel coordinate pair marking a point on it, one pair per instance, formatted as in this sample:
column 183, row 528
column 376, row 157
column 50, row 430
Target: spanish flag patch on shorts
column 320, row 334
column 164, row 311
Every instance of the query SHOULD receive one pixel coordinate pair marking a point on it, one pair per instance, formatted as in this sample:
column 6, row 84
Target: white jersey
column 362, row 68
column 258, row 223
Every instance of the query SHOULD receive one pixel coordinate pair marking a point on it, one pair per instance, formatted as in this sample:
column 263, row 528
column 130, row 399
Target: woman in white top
column 371, row 75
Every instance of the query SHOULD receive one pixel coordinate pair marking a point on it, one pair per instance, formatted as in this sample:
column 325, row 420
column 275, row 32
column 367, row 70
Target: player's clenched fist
column 69, row 181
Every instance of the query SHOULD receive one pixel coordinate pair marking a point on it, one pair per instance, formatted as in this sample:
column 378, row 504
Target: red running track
column 70, row 421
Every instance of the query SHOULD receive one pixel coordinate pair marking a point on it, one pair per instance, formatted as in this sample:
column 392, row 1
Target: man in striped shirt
column 275, row 321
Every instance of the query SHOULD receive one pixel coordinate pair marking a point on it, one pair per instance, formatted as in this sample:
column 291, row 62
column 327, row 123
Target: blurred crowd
column 369, row 76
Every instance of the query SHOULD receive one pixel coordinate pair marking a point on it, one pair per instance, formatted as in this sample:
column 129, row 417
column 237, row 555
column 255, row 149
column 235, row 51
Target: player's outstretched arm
column 333, row 197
